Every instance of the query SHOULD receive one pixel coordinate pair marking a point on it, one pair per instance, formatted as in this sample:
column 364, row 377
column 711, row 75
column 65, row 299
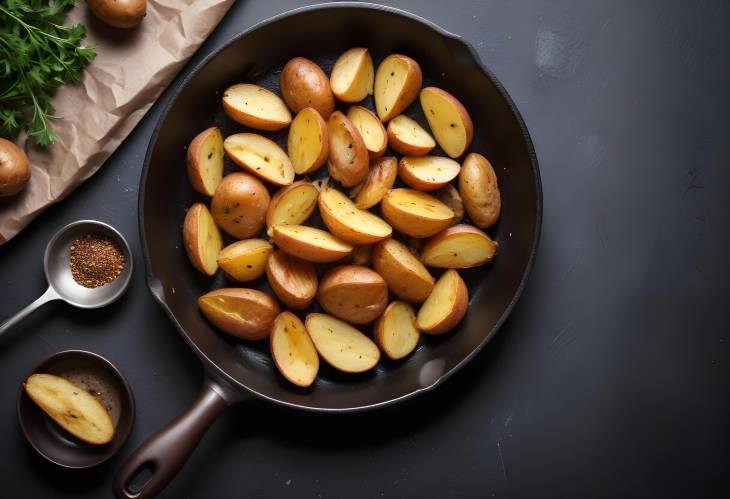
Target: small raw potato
column 348, row 155
column 293, row 351
column 205, row 161
column 119, row 13
column 308, row 243
column 445, row 306
column 449, row 121
column 72, row 407
column 458, row 247
column 308, row 142
column 404, row 274
column 255, row 107
column 396, row 332
column 371, row 130
column 415, row 213
column 449, row 195
column 407, row 137
column 380, row 179
column 304, row 84
column 479, row 189
column 245, row 260
column 341, row 345
column 239, row 205
column 245, row 313
column 294, row 281
column 361, row 255
column 348, row 222
column 202, row 239
column 14, row 168
column 261, row 156
column 427, row 173
column 353, row 75
column 291, row 205
column 397, row 83
column 353, row 293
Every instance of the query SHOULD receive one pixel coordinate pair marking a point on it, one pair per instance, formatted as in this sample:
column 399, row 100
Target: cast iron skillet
column 238, row 371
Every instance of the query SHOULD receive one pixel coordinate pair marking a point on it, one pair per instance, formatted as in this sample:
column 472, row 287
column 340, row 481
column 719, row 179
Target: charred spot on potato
column 210, row 155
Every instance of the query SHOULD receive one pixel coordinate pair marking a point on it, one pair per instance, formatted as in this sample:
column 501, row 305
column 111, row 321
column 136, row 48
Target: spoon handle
column 49, row 295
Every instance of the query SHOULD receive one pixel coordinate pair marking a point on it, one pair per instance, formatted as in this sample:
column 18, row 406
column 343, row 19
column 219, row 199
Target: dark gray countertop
column 610, row 379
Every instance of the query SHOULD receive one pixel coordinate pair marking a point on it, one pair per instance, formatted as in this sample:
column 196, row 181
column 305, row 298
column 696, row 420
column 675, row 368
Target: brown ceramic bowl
column 95, row 373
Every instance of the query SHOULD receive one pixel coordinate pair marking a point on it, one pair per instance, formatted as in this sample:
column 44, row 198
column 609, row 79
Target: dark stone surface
column 610, row 378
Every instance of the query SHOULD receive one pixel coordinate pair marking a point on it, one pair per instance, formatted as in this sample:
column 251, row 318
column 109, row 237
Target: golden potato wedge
column 353, row 75
column 72, row 407
column 397, row 83
column 341, row 345
column 202, row 239
column 407, row 137
column 361, row 254
column 445, row 306
column 205, row 161
column 449, row 120
column 245, row 260
column 245, row 313
column 294, row 281
column 293, row 351
column 308, row 243
column 427, row 173
column 395, row 332
column 348, row 156
column 261, row 156
column 380, row 180
column 371, row 130
column 291, row 205
column 353, row 293
column 255, row 107
column 304, row 84
column 348, row 222
column 308, row 142
column 479, row 189
column 458, row 247
column 239, row 205
column 415, row 213
column 449, row 195
column 404, row 274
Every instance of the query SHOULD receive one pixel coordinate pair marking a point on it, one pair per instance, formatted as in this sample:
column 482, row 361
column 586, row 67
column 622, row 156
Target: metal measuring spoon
column 61, row 284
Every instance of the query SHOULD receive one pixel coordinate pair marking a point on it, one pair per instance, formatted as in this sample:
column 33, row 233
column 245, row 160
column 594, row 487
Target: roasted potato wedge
column 72, row 407
column 341, row 345
column 353, row 75
column 395, row 331
column 202, row 239
column 308, row 142
column 427, row 173
column 353, row 293
column 445, row 306
column 449, row 120
column 458, row 247
column 415, row 213
column 348, row 156
column 292, row 205
column 245, row 313
column 479, row 190
column 371, row 130
column 304, row 84
column 397, row 83
column 404, row 274
column 239, row 205
column 294, row 281
column 205, row 161
column 380, row 179
column 308, row 243
column 255, row 107
column 293, row 351
column 245, row 260
column 407, row 137
column 348, row 222
column 449, row 195
column 261, row 156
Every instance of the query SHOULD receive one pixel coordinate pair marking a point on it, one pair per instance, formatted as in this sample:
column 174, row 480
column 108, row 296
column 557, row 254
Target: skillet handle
column 165, row 452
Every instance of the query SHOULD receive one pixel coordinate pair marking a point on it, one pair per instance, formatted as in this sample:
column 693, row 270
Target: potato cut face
column 396, row 332
column 310, row 244
column 441, row 302
column 415, row 213
column 410, row 133
column 72, row 407
column 292, row 205
column 245, row 260
column 205, row 167
column 208, row 240
column 397, row 83
column 353, row 75
column 349, row 222
column 459, row 249
column 241, row 312
column 293, row 280
column 370, row 128
column 449, row 121
column 308, row 142
column 341, row 345
column 293, row 351
column 260, row 156
column 380, row 179
column 353, row 293
column 427, row 172
column 404, row 274
column 256, row 107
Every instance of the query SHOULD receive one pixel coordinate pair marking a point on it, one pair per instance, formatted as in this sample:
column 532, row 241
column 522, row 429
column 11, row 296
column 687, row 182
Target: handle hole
column 141, row 478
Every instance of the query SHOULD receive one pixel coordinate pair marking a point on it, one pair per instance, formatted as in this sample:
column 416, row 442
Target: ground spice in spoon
column 95, row 260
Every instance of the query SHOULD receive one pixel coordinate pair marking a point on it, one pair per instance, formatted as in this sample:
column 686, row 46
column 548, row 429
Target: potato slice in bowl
column 341, row 345
column 407, row 137
column 293, row 351
column 202, row 239
column 291, row 205
column 245, row 260
column 348, row 156
column 397, row 83
column 380, row 179
column 371, row 129
column 348, row 222
column 445, row 306
column 427, row 173
column 308, row 142
column 245, row 313
column 256, row 107
column 353, row 293
column 396, row 332
column 261, row 156
column 415, row 213
column 404, row 274
column 293, row 280
column 205, row 161
column 459, row 247
column 308, row 243
column 449, row 120
column 353, row 75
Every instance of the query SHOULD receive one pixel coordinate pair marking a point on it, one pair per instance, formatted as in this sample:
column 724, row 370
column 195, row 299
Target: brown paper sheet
column 130, row 71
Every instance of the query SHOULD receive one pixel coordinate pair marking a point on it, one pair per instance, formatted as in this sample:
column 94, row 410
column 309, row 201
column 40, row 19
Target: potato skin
column 14, row 168
column 195, row 174
column 304, row 84
column 353, row 293
column 451, row 231
column 258, row 309
column 405, row 275
column 239, row 205
column 449, row 195
column 380, row 334
column 293, row 280
column 119, row 13
column 348, row 161
column 381, row 177
column 457, row 313
column 306, row 249
column 479, row 190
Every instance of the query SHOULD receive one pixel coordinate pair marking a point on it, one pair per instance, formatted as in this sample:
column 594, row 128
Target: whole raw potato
column 119, row 13
column 14, row 168
column 304, row 84
column 239, row 205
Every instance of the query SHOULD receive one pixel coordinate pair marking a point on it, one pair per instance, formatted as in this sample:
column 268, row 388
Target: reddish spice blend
column 95, row 260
